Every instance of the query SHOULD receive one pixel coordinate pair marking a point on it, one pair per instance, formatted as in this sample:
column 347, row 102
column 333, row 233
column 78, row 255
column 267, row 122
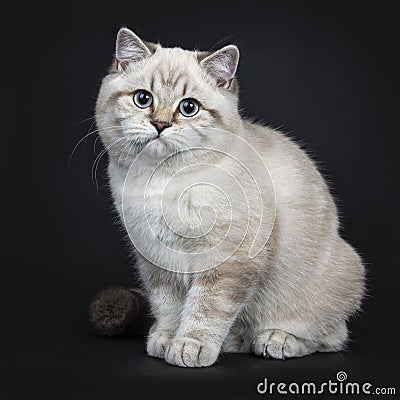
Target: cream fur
column 296, row 296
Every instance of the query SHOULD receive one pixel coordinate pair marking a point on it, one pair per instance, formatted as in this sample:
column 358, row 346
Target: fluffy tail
column 119, row 311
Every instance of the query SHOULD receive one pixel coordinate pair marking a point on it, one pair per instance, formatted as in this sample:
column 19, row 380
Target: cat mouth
column 154, row 139
column 160, row 143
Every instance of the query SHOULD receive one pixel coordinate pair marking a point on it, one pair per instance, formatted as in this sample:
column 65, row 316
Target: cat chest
column 171, row 218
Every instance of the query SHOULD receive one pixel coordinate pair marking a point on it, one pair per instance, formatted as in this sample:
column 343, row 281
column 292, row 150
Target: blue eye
column 143, row 99
column 188, row 107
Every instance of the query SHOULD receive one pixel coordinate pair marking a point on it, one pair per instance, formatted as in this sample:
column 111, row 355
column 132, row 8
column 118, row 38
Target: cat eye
column 188, row 107
column 143, row 99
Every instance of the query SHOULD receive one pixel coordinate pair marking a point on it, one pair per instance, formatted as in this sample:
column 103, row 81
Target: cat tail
column 118, row 311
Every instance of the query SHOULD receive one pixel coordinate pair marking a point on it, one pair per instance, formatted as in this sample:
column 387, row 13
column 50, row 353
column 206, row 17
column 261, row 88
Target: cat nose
column 160, row 125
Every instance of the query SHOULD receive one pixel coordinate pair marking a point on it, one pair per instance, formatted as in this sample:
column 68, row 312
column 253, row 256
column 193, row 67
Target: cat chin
column 159, row 147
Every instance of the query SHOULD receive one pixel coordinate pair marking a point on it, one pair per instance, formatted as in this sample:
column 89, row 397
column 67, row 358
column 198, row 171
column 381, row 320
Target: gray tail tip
column 118, row 311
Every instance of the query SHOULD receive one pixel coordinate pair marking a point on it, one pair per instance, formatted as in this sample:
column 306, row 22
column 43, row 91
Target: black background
column 324, row 72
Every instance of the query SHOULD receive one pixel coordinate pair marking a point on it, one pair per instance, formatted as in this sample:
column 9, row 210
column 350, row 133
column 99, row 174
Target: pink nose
column 160, row 125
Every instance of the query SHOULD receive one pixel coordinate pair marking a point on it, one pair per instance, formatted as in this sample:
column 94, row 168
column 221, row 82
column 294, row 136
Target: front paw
column 157, row 343
column 187, row 352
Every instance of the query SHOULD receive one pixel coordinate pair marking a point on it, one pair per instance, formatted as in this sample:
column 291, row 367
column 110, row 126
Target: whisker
column 132, row 149
column 87, row 135
column 81, row 122
column 89, row 130
column 122, row 151
column 97, row 161
column 95, row 142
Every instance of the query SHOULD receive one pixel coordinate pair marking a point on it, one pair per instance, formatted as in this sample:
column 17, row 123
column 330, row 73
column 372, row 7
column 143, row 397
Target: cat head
column 166, row 95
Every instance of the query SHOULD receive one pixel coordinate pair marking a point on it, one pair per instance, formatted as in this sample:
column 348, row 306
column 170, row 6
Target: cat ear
column 222, row 65
column 129, row 48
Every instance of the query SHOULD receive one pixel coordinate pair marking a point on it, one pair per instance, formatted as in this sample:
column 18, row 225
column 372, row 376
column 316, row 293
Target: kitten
column 234, row 230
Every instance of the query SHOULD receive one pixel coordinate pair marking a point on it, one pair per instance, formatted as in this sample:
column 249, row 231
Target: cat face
column 167, row 96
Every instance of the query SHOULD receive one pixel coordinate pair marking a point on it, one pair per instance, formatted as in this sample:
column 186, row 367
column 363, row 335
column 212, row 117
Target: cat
column 273, row 276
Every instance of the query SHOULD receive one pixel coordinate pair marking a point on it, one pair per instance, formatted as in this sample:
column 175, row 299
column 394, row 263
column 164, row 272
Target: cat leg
column 211, row 307
column 166, row 303
column 275, row 343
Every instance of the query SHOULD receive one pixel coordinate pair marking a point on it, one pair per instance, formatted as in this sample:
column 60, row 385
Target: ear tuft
column 222, row 65
column 129, row 48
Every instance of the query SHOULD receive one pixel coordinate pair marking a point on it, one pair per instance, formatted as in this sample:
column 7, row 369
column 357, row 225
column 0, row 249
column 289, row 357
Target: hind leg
column 275, row 343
